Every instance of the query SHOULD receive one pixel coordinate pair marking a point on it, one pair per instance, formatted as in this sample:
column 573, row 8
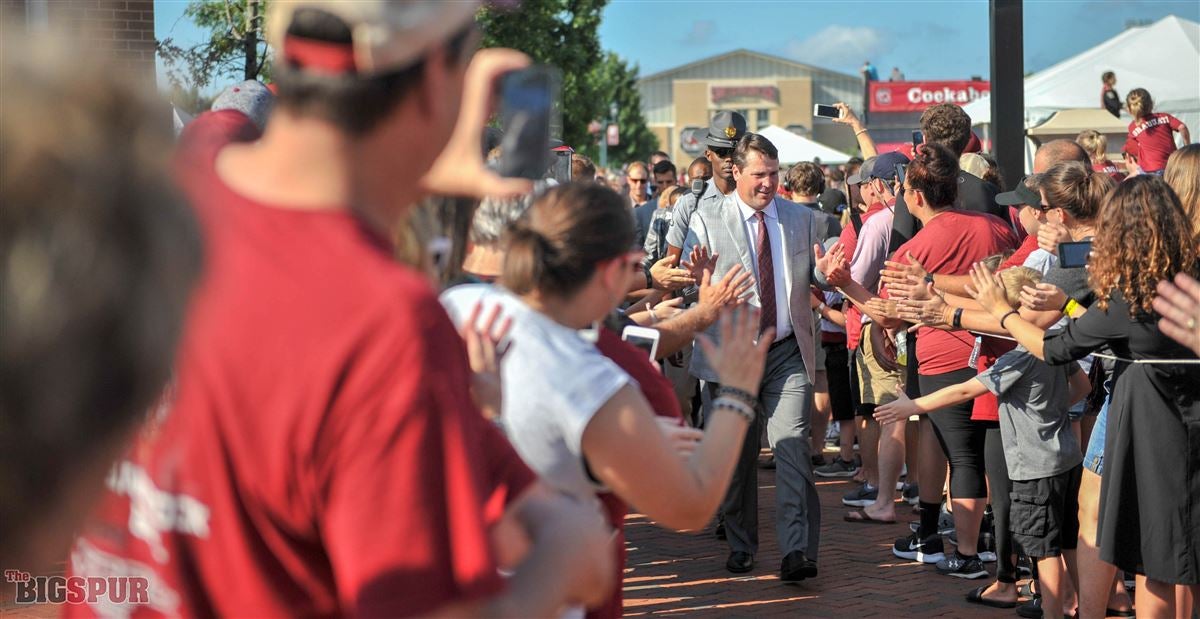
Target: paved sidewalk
column 684, row 574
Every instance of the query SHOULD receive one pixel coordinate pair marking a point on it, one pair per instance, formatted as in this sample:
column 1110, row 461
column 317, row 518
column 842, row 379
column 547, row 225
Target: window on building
column 763, row 119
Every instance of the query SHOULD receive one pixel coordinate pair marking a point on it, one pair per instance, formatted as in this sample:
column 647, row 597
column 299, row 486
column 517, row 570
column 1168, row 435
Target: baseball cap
column 726, row 129
column 1023, row 194
column 881, row 166
column 832, row 201
column 250, row 97
column 861, row 175
column 385, row 35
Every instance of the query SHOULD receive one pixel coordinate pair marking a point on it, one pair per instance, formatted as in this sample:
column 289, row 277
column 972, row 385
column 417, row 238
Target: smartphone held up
column 530, row 121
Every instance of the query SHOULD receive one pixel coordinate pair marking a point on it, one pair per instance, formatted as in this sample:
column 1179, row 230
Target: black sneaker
column 910, row 493
column 959, row 566
column 861, row 496
column 986, row 548
column 913, row 548
column 837, row 468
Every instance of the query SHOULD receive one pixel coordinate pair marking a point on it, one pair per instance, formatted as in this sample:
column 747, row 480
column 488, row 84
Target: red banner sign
column 721, row 94
column 916, row 96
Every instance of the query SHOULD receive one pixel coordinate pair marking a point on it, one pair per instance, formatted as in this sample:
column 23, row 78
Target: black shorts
column 1044, row 513
column 837, row 371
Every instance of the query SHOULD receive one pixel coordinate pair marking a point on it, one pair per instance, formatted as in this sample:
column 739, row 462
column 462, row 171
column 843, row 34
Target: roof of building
column 769, row 58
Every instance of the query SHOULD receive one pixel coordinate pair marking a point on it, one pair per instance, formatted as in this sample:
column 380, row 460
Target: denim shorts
column 1093, row 460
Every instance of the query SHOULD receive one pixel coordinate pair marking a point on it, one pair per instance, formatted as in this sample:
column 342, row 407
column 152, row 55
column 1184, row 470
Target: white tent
column 1163, row 58
column 794, row 149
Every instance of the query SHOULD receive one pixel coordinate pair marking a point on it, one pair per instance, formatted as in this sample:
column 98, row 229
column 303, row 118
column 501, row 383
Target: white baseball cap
column 386, row 35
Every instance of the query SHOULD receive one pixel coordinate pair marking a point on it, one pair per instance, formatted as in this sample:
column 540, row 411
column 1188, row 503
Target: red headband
column 319, row 56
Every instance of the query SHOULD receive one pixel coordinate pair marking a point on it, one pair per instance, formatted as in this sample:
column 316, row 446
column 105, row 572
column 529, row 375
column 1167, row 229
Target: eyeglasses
column 1045, row 208
column 637, row 180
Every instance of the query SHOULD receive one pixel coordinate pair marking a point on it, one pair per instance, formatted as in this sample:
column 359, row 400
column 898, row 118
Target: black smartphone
column 528, row 106
column 1074, row 255
column 826, row 111
column 900, row 168
column 918, row 139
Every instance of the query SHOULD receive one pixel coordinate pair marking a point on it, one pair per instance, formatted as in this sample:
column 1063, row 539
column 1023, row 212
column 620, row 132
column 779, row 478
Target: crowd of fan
column 382, row 403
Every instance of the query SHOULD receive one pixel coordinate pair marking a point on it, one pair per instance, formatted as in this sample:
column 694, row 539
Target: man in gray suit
column 773, row 238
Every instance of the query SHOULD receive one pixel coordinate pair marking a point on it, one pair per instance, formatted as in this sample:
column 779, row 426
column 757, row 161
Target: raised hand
column 932, row 312
column 833, row 265
column 459, row 170
column 664, row 275
column 729, row 290
column 1050, row 235
column 1044, row 297
column 888, row 308
column 742, row 352
column 1179, row 304
column 899, row 273
column 912, row 288
column 898, row 410
column 698, row 260
column 987, row 288
column 847, row 116
column 484, row 355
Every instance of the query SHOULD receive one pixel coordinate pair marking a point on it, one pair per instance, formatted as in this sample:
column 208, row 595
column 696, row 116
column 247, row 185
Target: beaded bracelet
column 745, row 411
column 742, row 395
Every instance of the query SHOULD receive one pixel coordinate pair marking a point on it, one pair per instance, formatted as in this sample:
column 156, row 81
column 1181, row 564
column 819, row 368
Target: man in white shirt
column 773, row 238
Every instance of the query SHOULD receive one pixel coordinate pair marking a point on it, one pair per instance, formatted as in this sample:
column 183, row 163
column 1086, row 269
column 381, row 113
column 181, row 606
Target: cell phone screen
column 900, row 168
column 528, row 107
column 918, row 139
column 826, row 111
column 1074, row 255
column 644, row 343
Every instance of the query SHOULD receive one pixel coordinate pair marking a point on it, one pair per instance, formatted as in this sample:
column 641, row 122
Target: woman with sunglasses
column 576, row 418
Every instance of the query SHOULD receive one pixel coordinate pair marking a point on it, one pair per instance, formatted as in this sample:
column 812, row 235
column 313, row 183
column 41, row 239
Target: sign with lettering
column 916, row 96
column 725, row 94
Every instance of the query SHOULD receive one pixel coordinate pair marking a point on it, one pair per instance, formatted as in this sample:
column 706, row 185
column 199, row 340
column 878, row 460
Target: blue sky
column 928, row 40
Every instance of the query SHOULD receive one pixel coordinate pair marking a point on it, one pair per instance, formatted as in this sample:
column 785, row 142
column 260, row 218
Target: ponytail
column 1139, row 102
column 1075, row 188
column 555, row 246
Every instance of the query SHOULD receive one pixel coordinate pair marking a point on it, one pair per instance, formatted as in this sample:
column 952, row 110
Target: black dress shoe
column 739, row 562
column 797, row 567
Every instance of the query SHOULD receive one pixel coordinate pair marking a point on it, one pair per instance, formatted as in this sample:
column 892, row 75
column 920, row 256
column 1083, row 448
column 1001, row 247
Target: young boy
column 1042, row 454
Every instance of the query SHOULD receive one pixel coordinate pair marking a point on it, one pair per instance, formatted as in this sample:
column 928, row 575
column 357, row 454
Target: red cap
column 973, row 145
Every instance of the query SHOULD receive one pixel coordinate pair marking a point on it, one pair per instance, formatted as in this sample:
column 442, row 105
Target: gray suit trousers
column 785, row 405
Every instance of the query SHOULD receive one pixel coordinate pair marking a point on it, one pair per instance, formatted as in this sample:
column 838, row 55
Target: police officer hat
column 726, row 129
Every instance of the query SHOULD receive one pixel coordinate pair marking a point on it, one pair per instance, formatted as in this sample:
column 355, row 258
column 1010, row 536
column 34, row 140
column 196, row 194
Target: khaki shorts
column 876, row 385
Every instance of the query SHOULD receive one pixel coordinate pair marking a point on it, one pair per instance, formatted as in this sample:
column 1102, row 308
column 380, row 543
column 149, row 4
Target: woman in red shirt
column 1153, row 133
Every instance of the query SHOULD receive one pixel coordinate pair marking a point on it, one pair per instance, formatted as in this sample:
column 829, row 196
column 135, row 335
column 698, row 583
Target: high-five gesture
column 740, row 356
column 485, row 355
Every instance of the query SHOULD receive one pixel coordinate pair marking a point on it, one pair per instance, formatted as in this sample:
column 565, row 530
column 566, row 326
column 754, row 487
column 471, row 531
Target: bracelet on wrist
column 737, row 394
column 956, row 321
column 742, row 409
column 1005, row 317
column 860, row 132
column 1070, row 307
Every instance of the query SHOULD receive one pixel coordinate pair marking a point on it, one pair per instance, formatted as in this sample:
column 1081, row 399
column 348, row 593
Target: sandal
column 862, row 517
column 976, row 597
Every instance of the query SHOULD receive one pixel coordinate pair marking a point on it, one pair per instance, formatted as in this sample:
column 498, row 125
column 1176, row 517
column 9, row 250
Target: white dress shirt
column 783, row 281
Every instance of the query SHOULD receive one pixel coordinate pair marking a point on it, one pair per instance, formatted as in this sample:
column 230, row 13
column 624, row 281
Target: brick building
column 123, row 29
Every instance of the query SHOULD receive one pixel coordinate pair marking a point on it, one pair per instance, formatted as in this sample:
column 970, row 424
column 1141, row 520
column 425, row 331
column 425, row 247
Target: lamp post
column 612, row 118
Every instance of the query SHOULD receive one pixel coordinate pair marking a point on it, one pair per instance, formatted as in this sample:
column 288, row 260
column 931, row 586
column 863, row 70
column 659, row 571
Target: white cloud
column 842, row 47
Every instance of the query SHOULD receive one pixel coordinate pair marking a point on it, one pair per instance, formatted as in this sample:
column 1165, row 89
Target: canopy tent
column 1071, row 122
column 794, row 149
column 1163, row 58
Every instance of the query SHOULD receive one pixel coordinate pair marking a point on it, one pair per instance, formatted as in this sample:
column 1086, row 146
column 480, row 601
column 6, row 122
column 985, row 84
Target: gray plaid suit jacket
column 718, row 226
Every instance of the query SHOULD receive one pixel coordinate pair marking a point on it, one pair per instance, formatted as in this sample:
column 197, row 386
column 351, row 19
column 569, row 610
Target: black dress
column 1150, row 496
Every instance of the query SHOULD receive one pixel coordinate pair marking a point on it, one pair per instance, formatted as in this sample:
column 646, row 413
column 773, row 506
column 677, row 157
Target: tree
column 614, row 80
column 235, row 47
column 564, row 33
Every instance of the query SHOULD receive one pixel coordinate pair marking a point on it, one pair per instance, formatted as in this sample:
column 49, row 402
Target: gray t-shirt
column 554, row 381
column 1035, row 430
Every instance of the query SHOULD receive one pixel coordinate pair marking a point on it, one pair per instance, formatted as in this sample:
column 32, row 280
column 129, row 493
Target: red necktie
column 766, row 275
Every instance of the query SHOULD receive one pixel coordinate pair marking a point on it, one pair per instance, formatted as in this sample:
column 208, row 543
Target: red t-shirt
column 1028, row 245
column 322, row 455
column 987, row 406
column 1111, row 169
column 659, row 392
column 949, row 244
column 849, row 240
column 1155, row 137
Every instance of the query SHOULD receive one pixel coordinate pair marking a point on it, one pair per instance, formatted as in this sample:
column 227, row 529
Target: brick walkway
column 684, row 574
